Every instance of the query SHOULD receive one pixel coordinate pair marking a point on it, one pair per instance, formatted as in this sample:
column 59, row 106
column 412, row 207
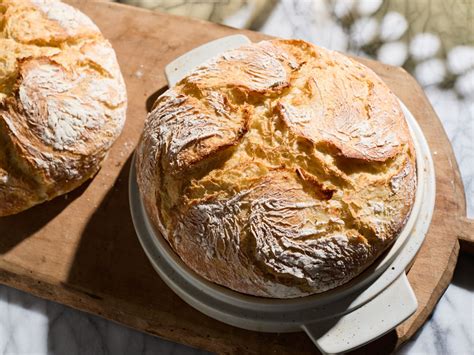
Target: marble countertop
column 29, row 325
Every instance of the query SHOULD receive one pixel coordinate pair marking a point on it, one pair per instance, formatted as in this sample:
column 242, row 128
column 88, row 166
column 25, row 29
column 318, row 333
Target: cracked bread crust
column 279, row 169
column 62, row 101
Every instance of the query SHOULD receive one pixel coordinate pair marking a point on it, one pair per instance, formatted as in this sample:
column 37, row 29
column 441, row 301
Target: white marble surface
column 29, row 325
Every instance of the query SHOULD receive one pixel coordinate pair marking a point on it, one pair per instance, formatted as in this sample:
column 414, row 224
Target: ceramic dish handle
column 183, row 65
column 377, row 317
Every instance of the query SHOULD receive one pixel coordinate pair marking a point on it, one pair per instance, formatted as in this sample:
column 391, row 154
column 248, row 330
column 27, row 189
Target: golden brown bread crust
column 62, row 101
column 279, row 169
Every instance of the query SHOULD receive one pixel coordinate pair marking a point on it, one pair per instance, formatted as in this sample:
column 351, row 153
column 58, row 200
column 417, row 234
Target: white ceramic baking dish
column 338, row 320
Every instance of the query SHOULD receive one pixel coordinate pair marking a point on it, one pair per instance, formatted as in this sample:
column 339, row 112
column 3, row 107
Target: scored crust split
column 62, row 101
column 279, row 169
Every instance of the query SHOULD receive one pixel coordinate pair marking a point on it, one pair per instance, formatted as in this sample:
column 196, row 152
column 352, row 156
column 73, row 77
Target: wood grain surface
column 81, row 249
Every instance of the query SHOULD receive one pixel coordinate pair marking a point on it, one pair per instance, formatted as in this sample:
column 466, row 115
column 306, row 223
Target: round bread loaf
column 62, row 101
column 280, row 169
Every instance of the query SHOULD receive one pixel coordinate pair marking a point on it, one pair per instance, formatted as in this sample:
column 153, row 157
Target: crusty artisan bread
column 62, row 101
column 280, row 169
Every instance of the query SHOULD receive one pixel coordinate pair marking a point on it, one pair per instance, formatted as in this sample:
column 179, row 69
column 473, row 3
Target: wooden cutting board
column 81, row 249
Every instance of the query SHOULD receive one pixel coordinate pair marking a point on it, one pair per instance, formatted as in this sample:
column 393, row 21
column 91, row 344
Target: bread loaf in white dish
column 279, row 169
